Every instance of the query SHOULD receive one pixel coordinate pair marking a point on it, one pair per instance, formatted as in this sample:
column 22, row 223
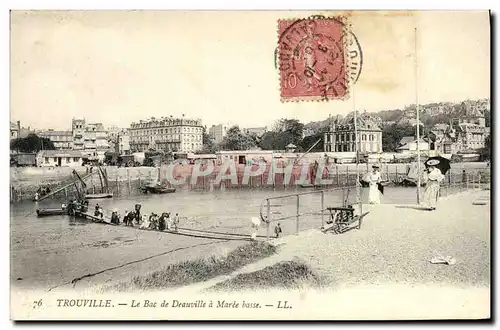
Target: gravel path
column 396, row 243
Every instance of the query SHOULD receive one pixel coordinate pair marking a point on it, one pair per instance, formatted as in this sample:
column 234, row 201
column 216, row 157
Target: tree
column 208, row 143
column 275, row 140
column 236, row 140
column 487, row 118
column 309, row 141
column 486, row 150
column 31, row 143
column 292, row 127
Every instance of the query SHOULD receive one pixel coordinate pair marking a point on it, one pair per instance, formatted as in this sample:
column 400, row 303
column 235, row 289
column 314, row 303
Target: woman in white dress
column 374, row 179
column 431, row 193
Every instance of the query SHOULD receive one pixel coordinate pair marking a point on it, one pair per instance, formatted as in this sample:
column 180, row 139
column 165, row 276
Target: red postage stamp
column 313, row 59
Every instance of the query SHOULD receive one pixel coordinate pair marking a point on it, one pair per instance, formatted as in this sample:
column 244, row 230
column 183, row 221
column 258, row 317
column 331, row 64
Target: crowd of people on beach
column 134, row 218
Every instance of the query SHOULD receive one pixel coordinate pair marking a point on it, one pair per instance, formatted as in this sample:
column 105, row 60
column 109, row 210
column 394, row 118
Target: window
column 46, row 160
column 68, row 160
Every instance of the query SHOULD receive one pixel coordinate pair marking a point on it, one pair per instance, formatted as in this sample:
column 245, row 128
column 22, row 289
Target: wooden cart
column 343, row 219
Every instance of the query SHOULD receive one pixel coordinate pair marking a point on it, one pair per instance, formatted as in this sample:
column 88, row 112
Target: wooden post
column 338, row 177
column 322, row 208
column 479, row 181
column 128, row 179
column 268, row 218
column 66, row 193
column 298, row 215
column 347, row 176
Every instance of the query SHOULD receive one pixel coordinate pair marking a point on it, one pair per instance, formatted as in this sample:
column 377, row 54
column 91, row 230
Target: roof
column 53, row 133
column 407, row 139
column 13, row 126
column 60, row 153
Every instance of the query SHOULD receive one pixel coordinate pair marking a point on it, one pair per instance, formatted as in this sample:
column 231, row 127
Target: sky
column 117, row 67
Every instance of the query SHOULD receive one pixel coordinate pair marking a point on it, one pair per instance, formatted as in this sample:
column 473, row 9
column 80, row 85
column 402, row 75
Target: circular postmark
column 317, row 58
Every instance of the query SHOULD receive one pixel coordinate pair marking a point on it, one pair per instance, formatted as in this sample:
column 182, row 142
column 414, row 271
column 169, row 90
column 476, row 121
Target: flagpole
column 356, row 148
column 418, row 119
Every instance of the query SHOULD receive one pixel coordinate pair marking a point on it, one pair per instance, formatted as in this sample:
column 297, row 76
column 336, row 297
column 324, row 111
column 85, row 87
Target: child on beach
column 277, row 230
column 175, row 222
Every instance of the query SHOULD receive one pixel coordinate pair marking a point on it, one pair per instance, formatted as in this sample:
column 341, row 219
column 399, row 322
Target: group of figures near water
column 135, row 218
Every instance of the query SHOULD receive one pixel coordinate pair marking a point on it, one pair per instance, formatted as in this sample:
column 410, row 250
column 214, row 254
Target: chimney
column 18, row 127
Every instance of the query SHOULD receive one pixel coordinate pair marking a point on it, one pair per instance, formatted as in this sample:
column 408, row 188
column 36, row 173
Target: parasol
column 439, row 162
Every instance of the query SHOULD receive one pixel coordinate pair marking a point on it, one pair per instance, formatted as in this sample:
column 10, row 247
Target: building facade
column 167, row 134
column 217, row 132
column 15, row 130
column 408, row 144
column 462, row 135
column 62, row 140
column 122, row 146
column 90, row 138
column 58, row 158
column 341, row 135
column 78, row 132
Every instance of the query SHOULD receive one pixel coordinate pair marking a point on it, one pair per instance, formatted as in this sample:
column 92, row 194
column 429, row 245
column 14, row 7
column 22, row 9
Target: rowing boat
column 48, row 212
column 157, row 190
column 99, row 196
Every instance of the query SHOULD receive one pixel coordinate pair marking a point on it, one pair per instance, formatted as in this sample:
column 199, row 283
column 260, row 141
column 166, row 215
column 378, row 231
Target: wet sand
column 51, row 252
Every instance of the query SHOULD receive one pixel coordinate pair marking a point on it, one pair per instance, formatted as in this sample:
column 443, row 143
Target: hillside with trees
column 285, row 130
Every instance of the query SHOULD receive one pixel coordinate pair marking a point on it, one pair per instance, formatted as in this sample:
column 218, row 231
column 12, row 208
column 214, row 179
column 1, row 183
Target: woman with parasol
column 434, row 178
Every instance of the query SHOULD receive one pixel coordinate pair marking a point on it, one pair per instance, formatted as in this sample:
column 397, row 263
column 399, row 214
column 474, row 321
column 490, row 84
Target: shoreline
column 126, row 181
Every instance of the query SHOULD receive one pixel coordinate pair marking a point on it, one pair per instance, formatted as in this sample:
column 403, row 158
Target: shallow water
column 223, row 209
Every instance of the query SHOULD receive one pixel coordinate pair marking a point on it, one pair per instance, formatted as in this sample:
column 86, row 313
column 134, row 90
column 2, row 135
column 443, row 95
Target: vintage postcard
column 250, row 165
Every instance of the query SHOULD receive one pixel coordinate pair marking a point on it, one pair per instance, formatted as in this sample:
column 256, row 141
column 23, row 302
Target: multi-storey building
column 91, row 138
column 217, row 132
column 78, row 130
column 463, row 135
column 167, row 134
column 62, row 140
column 122, row 146
column 341, row 135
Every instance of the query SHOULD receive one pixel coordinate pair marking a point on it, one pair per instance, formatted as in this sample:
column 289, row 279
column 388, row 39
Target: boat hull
column 98, row 196
column 154, row 190
column 49, row 212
